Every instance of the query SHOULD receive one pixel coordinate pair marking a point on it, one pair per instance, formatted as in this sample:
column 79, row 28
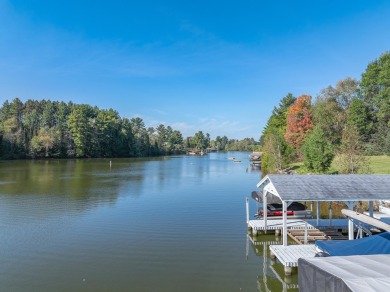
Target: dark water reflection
column 164, row 224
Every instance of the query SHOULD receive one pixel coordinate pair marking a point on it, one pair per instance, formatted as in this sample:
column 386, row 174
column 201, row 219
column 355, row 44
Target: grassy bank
column 378, row 165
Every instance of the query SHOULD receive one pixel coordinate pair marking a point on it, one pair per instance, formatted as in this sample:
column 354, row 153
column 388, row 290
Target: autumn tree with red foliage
column 299, row 121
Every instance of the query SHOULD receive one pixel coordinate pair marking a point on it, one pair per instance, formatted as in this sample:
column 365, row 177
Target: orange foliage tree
column 299, row 121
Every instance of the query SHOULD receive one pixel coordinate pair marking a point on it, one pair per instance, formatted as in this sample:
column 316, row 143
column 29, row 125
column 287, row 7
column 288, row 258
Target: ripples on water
column 162, row 224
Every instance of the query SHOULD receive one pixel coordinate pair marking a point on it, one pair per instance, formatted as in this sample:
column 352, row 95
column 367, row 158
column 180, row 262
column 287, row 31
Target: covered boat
column 376, row 244
column 275, row 208
column 344, row 274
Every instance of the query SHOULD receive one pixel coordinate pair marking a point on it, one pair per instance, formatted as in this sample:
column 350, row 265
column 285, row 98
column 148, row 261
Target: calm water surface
column 163, row 224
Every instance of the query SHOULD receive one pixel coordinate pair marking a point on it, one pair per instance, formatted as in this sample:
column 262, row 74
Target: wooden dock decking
column 289, row 255
column 274, row 224
column 312, row 235
column 277, row 224
column 298, row 235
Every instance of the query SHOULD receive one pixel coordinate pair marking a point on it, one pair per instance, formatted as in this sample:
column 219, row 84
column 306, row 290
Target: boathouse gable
column 348, row 187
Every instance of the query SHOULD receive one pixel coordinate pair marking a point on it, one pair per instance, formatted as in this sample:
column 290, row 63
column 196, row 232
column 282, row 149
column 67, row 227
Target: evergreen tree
column 317, row 152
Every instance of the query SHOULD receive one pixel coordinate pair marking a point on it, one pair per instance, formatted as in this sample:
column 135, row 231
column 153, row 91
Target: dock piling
column 287, row 271
column 305, row 240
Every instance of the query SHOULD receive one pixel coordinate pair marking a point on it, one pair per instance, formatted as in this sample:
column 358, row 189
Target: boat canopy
column 345, row 273
column 341, row 187
column 271, row 199
column 376, row 244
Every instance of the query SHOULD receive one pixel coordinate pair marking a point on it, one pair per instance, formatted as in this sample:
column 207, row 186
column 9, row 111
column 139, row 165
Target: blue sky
column 215, row 66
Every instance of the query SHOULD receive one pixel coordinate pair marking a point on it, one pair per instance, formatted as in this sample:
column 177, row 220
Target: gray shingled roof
column 349, row 187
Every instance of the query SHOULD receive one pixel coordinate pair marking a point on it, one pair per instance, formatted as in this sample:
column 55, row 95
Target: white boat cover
column 271, row 199
column 345, row 273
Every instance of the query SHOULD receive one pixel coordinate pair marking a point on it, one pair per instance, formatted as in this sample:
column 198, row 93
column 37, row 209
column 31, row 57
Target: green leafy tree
column 318, row 153
column 161, row 135
column 107, row 126
column 49, row 114
column 126, row 138
column 360, row 116
column 43, row 143
column 343, row 93
column 206, row 142
column 13, row 135
column 330, row 117
column 81, row 130
column 278, row 119
column 199, row 140
column 142, row 145
column 177, row 140
column 31, row 123
column 276, row 153
column 375, row 86
column 350, row 158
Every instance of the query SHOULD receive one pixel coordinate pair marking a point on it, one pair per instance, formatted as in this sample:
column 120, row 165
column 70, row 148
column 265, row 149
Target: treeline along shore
column 53, row 129
column 345, row 124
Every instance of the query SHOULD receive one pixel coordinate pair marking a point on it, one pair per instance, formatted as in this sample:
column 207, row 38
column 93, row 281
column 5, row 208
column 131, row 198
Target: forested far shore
column 53, row 129
column 345, row 124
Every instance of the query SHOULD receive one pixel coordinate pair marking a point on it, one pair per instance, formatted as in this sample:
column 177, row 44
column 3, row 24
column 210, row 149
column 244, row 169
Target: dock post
column 284, row 203
column 287, row 271
column 305, row 238
column 318, row 213
column 371, row 208
column 254, row 232
column 265, row 210
column 247, row 247
column 350, row 222
column 350, row 229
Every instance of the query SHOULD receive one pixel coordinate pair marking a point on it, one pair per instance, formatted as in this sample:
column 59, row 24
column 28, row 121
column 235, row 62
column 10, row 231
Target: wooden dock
column 298, row 235
column 340, row 225
column 277, row 224
column 289, row 255
column 311, row 235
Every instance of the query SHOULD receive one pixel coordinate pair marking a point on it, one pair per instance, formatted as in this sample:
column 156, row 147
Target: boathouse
column 314, row 188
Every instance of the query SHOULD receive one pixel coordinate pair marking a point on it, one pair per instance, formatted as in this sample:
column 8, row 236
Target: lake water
column 161, row 224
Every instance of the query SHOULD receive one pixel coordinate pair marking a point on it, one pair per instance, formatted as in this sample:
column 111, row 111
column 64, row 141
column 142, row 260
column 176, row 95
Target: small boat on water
column 231, row 158
column 196, row 152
